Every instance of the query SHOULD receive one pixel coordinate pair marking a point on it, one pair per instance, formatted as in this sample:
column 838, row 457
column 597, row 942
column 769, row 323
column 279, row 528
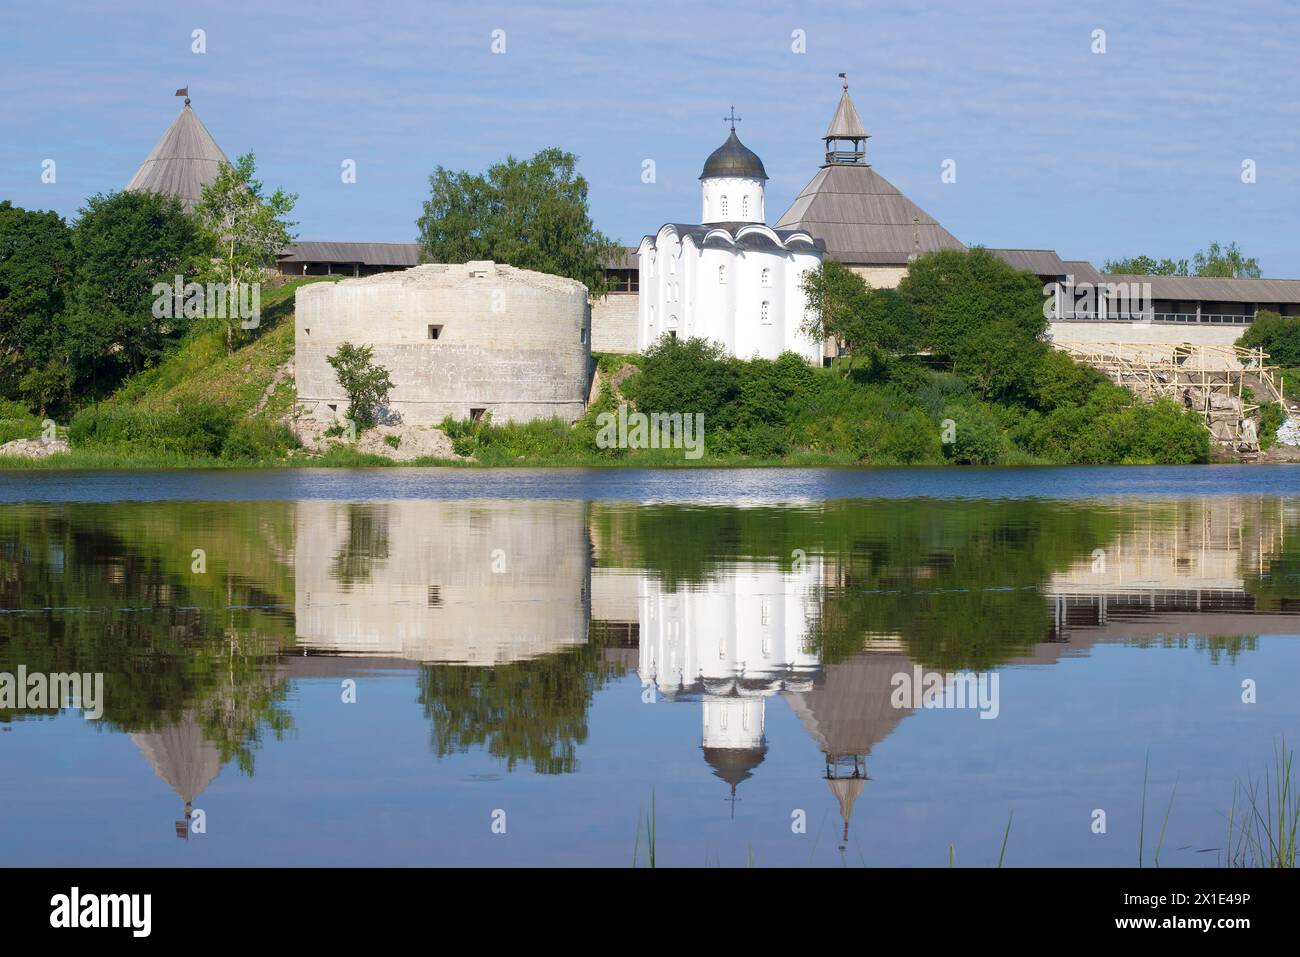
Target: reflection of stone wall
column 1207, row 544
column 467, row 582
column 615, row 594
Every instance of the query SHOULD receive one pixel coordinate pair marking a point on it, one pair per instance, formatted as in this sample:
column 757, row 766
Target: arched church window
column 767, row 276
column 744, row 208
column 722, row 274
column 765, row 313
column 723, row 203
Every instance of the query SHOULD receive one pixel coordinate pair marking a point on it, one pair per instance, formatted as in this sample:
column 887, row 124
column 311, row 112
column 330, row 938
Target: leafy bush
column 977, row 440
column 686, row 375
column 982, row 314
column 367, row 384
column 198, row 429
column 1115, row 427
column 16, row 422
column 258, row 439
column 1060, row 381
column 1279, row 336
column 465, row 434
column 1271, row 418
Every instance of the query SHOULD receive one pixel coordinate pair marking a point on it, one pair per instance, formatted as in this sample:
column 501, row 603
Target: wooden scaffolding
column 1211, row 379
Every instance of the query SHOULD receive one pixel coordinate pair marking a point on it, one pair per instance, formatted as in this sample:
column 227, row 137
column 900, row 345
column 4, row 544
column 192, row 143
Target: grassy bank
column 202, row 407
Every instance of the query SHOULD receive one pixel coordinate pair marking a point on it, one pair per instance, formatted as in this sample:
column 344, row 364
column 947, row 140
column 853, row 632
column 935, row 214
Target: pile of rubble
column 1288, row 433
column 34, row 448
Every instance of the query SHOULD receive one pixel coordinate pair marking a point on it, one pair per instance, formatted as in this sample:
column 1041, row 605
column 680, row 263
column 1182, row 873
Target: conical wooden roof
column 863, row 218
column 846, row 124
column 185, row 160
column 849, row 710
column 182, row 756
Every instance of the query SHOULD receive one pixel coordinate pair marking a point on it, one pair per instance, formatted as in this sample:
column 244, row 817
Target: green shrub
column 1271, row 418
column 1279, row 336
column 1159, row 433
column 258, row 439
column 198, row 429
column 1060, row 381
column 976, row 438
column 687, row 375
column 366, row 382
column 761, row 440
column 942, row 389
column 17, row 422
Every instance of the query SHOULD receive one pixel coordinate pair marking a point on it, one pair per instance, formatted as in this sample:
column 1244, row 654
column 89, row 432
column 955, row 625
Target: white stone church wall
column 743, row 196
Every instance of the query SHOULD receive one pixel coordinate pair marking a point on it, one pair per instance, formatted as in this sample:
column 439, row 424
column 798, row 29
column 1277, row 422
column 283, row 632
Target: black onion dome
column 733, row 158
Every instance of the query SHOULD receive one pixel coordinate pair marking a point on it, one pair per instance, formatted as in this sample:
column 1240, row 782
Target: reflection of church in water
column 383, row 588
column 742, row 638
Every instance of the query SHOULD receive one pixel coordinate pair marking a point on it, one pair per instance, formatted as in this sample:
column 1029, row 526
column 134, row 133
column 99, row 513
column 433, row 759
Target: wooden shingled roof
column 367, row 254
column 185, row 160
column 863, row 218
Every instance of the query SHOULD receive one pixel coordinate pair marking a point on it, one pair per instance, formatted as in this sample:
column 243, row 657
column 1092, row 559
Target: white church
column 731, row 278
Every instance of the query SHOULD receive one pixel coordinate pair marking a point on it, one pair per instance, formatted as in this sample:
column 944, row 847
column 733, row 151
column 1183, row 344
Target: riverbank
column 206, row 406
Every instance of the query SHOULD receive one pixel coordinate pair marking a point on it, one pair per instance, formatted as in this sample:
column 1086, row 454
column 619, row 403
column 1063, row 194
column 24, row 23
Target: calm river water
column 793, row 667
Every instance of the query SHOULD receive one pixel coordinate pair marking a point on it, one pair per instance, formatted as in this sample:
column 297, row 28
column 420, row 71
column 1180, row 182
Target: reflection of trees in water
column 534, row 710
column 961, row 583
column 1274, row 583
column 174, row 647
column 958, row 581
column 366, row 543
column 1216, row 646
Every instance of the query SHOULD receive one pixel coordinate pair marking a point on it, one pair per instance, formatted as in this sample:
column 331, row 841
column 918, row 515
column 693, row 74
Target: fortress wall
column 511, row 341
column 1164, row 332
column 613, row 323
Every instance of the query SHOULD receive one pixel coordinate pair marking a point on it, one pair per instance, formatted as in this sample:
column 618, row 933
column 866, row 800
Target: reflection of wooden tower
column 848, row 712
column 183, row 757
column 846, row 791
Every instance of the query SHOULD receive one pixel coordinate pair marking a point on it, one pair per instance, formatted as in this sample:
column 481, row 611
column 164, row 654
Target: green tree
column 981, row 313
column 531, row 214
column 36, row 270
column 688, row 376
column 835, row 295
column 1146, row 266
column 246, row 228
column 367, row 385
column 123, row 244
column 1278, row 336
column 1225, row 263
column 864, row 321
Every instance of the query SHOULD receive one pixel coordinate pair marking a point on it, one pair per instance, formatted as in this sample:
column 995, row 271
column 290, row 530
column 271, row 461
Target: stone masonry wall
column 513, row 342
column 613, row 323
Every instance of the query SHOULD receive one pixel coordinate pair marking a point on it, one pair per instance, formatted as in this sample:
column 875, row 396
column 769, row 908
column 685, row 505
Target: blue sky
column 1137, row 150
